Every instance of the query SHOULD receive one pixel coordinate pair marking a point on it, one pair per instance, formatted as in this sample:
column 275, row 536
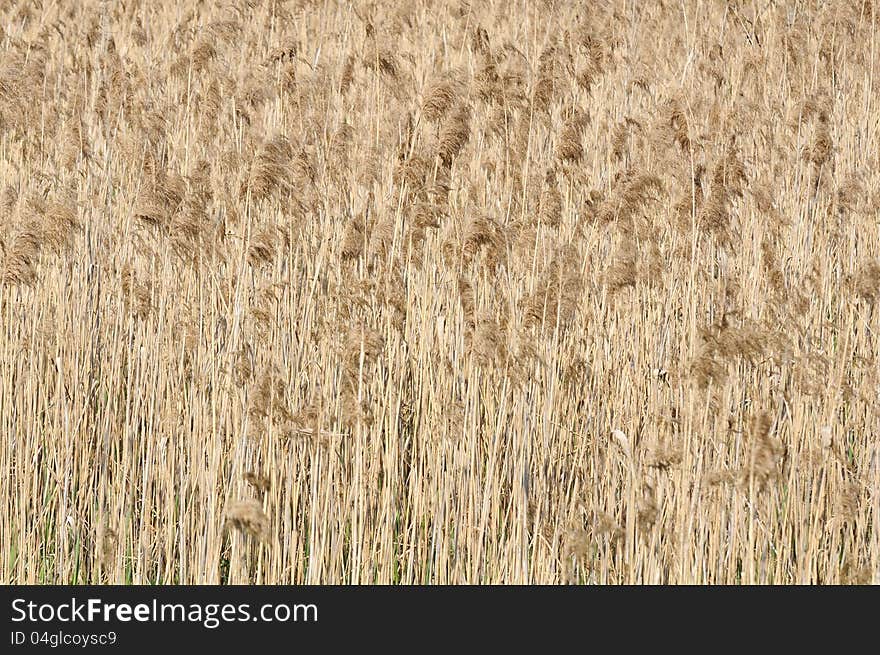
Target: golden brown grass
column 437, row 292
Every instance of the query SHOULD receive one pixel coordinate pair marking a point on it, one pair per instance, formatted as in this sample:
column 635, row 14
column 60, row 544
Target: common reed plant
column 439, row 292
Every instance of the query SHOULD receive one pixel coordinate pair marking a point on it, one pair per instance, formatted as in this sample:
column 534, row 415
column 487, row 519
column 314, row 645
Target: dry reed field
column 440, row 292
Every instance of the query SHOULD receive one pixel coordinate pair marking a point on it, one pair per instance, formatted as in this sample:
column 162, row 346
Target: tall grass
column 427, row 292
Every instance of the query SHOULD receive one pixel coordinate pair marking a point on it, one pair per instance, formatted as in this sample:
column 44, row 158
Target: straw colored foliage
column 440, row 292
